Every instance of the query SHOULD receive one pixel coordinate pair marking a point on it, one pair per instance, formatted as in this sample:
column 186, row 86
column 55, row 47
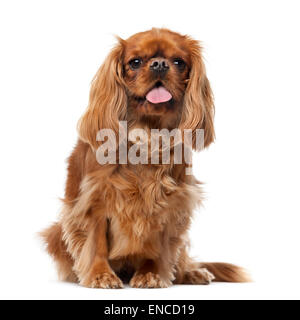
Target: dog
column 124, row 222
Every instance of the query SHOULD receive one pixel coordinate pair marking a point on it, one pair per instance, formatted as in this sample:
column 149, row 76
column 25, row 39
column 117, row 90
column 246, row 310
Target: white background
column 49, row 53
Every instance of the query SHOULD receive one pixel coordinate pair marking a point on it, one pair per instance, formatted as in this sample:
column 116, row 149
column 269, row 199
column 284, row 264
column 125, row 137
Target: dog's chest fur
column 145, row 204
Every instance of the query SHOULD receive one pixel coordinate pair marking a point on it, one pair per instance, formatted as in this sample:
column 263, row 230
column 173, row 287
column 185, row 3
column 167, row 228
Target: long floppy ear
column 198, row 106
column 107, row 101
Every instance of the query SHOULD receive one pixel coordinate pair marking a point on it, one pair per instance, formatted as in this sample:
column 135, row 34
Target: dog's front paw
column 198, row 276
column 105, row 281
column 148, row 280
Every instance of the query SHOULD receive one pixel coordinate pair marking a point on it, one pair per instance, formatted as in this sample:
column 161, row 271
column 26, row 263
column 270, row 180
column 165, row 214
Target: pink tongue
column 159, row 95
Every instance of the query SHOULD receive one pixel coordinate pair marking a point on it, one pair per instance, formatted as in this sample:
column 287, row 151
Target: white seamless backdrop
column 50, row 51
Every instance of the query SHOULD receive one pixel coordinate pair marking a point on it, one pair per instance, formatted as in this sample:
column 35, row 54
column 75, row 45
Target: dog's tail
column 225, row 272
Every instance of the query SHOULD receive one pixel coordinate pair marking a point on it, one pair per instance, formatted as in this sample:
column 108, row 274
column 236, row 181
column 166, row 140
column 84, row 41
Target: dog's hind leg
column 191, row 272
column 57, row 249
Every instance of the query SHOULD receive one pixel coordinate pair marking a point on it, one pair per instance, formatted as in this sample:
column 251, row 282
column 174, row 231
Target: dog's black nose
column 159, row 66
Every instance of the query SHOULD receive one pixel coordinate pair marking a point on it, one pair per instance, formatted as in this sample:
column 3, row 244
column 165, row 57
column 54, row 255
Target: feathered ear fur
column 107, row 101
column 198, row 106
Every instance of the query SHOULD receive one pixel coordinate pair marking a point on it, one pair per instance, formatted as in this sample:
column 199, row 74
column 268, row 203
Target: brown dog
column 124, row 219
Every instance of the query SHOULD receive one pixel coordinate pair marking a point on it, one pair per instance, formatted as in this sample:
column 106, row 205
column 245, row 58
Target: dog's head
column 156, row 77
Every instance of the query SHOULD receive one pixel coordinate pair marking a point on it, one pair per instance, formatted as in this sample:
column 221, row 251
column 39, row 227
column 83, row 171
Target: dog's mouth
column 156, row 102
column 159, row 94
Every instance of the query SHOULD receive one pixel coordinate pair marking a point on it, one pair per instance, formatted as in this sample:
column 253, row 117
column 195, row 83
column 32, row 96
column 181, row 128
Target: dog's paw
column 105, row 281
column 148, row 280
column 198, row 276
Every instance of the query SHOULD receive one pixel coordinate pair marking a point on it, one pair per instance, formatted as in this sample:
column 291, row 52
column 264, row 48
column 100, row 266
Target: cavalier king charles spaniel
column 124, row 222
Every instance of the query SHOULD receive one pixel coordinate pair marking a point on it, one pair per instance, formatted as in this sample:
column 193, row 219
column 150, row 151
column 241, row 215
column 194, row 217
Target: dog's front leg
column 150, row 275
column 157, row 272
column 100, row 273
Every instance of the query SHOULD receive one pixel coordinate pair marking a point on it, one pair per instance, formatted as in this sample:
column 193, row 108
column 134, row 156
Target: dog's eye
column 135, row 63
column 179, row 63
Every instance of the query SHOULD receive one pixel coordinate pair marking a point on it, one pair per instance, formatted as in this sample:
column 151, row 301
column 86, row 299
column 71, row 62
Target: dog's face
column 156, row 70
column 156, row 78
